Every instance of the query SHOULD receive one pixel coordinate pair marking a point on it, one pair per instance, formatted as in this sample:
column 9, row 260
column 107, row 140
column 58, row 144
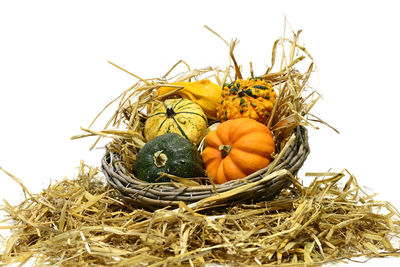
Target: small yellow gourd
column 204, row 93
column 180, row 116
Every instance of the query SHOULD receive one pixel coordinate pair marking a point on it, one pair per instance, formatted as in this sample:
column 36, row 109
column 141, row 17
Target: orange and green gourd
column 252, row 98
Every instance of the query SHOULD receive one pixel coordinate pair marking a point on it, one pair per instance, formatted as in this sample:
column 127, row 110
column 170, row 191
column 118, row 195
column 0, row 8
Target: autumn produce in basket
column 239, row 147
column 250, row 132
column 168, row 153
column 204, row 93
column 236, row 149
column 180, row 116
column 252, row 98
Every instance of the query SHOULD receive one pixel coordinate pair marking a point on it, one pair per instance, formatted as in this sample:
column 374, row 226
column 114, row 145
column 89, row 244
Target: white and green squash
column 180, row 116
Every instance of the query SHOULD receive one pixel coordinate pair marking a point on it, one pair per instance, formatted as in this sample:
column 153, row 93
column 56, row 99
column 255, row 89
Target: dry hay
column 82, row 221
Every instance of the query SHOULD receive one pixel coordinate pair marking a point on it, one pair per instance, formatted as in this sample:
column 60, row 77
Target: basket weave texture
column 154, row 196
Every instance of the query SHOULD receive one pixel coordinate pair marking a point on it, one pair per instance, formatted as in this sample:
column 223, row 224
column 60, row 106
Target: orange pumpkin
column 236, row 149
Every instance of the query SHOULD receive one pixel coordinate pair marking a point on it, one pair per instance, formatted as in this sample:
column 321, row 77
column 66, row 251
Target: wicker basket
column 153, row 196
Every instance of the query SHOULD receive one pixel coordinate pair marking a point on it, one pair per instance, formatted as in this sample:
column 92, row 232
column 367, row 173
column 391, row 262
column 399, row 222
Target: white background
column 54, row 76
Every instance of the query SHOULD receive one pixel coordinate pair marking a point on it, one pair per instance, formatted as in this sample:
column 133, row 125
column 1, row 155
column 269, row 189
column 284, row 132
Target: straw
column 86, row 223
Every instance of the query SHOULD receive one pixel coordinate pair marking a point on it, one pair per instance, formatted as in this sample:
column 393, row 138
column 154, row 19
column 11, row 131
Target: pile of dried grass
column 83, row 222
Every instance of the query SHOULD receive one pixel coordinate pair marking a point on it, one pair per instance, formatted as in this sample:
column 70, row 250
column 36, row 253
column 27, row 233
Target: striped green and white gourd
column 180, row 116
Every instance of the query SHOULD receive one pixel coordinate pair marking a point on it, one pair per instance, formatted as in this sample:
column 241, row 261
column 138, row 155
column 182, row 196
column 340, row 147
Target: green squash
column 169, row 153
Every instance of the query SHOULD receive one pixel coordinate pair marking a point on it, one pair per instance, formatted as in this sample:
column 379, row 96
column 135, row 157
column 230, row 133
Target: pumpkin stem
column 225, row 149
column 160, row 159
column 170, row 111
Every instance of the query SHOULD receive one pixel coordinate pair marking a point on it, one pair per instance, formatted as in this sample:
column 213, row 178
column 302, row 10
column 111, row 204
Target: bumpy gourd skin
column 252, row 98
column 181, row 159
column 180, row 116
column 236, row 149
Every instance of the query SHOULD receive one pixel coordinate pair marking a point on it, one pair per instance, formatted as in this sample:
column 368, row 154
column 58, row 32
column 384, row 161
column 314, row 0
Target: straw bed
column 82, row 222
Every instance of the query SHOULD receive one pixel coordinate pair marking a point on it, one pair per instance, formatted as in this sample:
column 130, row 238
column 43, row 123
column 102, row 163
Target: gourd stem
column 241, row 93
column 170, row 112
column 225, row 149
column 160, row 159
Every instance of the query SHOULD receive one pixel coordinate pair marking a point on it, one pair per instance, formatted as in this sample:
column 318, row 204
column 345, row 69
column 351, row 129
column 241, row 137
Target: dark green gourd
column 169, row 153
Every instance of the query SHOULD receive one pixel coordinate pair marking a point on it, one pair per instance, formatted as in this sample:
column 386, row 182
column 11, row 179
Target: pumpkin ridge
column 212, row 168
column 238, row 163
column 235, row 137
column 247, row 168
column 220, row 174
column 213, row 140
column 231, row 170
column 212, row 154
column 251, row 151
column 254, row 138
column 224, row 133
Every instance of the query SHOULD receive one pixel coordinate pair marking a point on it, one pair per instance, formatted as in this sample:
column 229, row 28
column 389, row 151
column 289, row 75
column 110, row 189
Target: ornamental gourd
column 252, row 98
column 180, row 116
column 236, row 149
column 204, row 93
column 168, row 153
